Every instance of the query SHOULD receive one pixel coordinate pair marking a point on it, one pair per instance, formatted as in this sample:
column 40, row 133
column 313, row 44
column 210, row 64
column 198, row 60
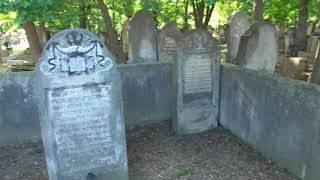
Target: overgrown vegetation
column 109, row 15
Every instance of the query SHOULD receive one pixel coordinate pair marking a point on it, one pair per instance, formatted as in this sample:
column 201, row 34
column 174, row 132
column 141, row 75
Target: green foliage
column 62, row 14
column 182, row 171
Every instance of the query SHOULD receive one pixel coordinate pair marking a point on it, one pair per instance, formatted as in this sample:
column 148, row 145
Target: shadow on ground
column 155, row 153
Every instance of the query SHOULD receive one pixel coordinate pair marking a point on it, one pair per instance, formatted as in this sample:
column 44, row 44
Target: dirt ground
column 154, row 152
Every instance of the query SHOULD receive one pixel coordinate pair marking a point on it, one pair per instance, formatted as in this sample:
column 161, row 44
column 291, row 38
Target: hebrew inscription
column 197, row 74
column 82, row 120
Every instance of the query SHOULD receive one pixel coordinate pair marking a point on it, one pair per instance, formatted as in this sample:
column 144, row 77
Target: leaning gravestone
column 196, row 82
column 142, row 38
column 259, row 48
column 168, row 37
column 81, row 109
column 238, row 25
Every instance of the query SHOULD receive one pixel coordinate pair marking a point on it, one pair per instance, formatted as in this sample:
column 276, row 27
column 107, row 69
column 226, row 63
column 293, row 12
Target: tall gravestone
column 196, row 83
column 259, row 48
column 168, row 37
column 80, row 104
column 281, row 29
column 238, row 25
column 291, row 42
column 142, row 38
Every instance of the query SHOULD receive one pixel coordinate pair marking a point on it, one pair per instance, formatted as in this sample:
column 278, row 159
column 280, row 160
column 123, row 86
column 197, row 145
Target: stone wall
column 19, row 119
column 277, row 116
column 146, row 94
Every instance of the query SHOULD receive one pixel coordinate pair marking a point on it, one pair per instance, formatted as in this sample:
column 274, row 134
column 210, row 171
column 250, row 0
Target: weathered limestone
column 281, row 29
column 196, row 83
column 294, row 68
column 291, row 42
column 238, row 25
column 142, row 38
column 313, row 43
column 80, row 105
column 310, row 28
column 168, row 37
column 259, row 48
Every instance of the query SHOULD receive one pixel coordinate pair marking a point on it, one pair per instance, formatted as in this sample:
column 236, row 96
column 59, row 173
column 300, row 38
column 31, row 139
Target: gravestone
column 313, row 44
column 80, row 104
column 291, row 42
column 238, row 25
column 168, row 37
column 196, row 83
column 142, row 38
column 310, row 27
column 259, row 48
column 281, row 29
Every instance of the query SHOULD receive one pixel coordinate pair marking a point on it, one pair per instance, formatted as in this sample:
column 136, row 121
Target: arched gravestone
column 238, row 25
column 196, row 83
column 142, row 38
column 259, row 48
column 168, row 37
column 81, row 112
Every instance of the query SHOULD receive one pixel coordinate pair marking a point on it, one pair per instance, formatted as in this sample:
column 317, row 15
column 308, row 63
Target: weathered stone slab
column 168, row 37
column 310, row 28
column 291, row 41
column 238, row 25
column 142, row 38
column 196, row 82
column 259, row 48
column 281, row 29
column 313, row 43
column 80, row 106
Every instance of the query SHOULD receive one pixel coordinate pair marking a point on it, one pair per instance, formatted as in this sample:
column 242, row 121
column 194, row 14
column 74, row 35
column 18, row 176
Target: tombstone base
column 194, row 119
column 121, row 173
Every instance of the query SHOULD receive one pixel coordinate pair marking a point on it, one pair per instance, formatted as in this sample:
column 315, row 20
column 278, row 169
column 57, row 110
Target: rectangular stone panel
column 197, row 74
column 82, row 125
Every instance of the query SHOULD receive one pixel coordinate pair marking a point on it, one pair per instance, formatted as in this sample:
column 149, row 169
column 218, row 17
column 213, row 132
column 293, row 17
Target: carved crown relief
column 76, row 58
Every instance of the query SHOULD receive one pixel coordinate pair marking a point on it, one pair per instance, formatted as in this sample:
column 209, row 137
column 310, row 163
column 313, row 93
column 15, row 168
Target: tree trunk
column 302, row 25
column 202, row 13
column 186, row 16
column 112, row 37
column 33, row 40
column 43, row 34
column 258, row 10
column 83, row 16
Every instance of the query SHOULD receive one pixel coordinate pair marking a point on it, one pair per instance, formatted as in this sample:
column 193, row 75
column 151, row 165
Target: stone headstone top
column 197, row 69
column 80, row 105
column 259, row 48
column 310, row 28
column 291, row 33
column 168, row 37
column 74, row 52
column 142, row 38
column 238, row 25
column 281, row 29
